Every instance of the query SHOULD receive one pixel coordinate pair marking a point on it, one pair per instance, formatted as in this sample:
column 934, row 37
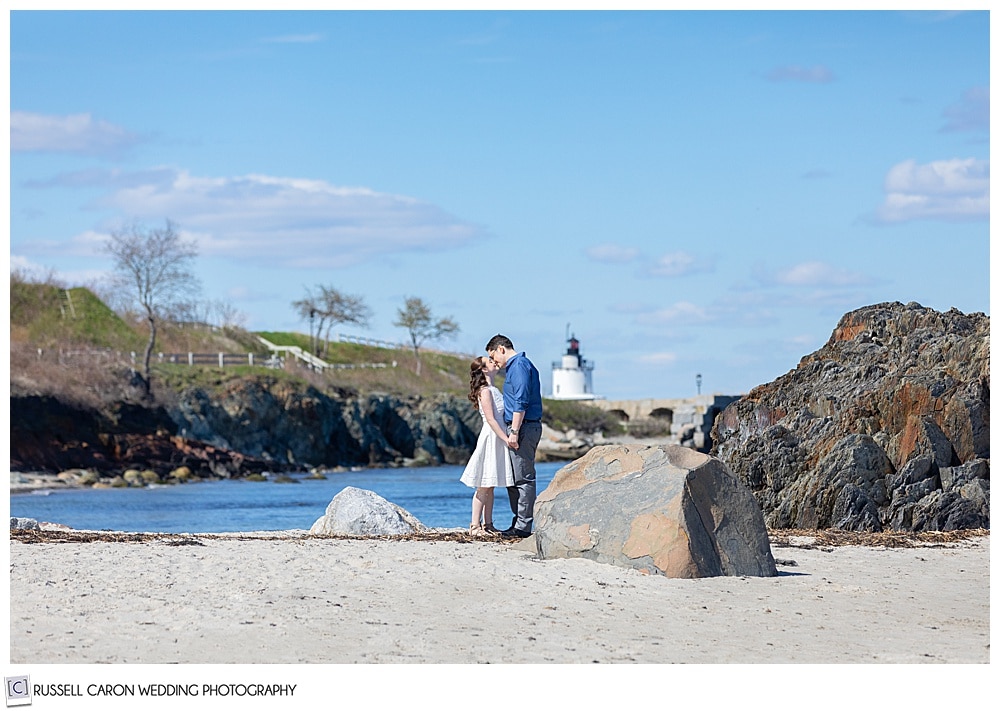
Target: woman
column 490, row 464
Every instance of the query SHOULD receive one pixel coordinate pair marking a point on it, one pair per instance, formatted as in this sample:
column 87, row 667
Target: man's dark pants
column 522, row 494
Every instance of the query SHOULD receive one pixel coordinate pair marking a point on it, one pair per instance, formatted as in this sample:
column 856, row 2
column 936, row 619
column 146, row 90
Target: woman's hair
column 477, row 379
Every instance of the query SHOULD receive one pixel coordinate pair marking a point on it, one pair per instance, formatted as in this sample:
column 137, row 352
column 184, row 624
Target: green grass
column 178, row 377
column 40, row 315
column 37, row 321
column 285, row 338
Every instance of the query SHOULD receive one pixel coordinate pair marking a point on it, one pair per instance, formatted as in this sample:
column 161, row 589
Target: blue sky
column 692, row 192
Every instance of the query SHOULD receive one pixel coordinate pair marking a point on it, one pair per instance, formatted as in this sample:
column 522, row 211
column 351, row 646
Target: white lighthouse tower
column 572, row 378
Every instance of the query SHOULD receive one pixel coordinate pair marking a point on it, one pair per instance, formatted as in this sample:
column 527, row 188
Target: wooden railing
column 315, row 363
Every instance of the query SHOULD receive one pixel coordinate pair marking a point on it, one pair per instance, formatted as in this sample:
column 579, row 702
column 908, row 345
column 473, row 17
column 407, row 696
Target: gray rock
column 291, row 423
column 864, row 431
column 957, row 476
column 360, row 512
column 664, row 509
column 844, row 489
column 28, row 524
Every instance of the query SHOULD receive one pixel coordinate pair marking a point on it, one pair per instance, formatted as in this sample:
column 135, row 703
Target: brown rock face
column 47, row 434
column 667, row 510
column 829, row 443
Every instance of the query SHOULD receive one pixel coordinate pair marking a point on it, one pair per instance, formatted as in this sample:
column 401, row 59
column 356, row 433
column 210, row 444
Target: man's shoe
column 514, row 533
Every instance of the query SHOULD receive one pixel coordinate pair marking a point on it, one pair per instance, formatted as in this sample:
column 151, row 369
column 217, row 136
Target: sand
column 290, row 598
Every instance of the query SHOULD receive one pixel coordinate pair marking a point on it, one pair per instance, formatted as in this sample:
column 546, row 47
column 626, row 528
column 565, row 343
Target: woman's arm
column 486, row 405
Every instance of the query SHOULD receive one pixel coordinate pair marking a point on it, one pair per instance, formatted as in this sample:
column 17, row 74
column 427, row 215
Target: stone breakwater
column 886, row 427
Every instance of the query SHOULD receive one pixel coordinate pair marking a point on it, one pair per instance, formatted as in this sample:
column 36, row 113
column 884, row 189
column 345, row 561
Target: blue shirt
column 522, row 390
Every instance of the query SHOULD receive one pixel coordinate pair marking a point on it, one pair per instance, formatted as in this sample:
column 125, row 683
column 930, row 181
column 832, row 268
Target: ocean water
column 432, row 494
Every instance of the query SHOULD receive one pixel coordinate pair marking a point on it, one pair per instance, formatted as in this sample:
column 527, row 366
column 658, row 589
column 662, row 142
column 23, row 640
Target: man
column 522, row 413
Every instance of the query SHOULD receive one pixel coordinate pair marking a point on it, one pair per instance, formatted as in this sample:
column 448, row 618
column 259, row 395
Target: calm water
column 432, row 494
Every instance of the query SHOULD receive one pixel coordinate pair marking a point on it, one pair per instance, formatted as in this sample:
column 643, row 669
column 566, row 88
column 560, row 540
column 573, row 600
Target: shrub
column 566, row 415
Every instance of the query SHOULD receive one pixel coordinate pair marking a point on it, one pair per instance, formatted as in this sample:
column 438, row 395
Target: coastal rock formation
column 359, row 512
column 886, row 427
column 250, row 425
column 293, row 425
column 47, row 434
column 662, row 509
column 556, row 446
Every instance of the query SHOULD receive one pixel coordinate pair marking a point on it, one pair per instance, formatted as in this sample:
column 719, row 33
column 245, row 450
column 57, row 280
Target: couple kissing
column 512, row 427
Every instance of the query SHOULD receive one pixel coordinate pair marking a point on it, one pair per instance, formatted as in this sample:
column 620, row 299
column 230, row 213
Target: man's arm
column 515, row 427
column 518, row 378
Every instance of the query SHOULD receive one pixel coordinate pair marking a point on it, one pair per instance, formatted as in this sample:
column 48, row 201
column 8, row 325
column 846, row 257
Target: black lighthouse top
column 574, row 347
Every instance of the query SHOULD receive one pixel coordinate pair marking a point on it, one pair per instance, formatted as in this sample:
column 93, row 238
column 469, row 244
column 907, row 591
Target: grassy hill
column 56, row 320
column 47, row 317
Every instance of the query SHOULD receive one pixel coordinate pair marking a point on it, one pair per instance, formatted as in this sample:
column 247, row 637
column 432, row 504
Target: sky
column 688, row 193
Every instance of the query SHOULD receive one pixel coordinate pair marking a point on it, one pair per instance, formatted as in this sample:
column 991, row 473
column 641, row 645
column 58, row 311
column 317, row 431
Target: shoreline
column 26, row 482
column 288, row 597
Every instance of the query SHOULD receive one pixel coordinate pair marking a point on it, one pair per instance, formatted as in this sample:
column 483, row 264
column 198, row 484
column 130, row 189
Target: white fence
column 319, row 364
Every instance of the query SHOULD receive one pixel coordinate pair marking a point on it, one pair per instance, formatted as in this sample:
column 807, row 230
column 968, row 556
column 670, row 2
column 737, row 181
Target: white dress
column 490, row 463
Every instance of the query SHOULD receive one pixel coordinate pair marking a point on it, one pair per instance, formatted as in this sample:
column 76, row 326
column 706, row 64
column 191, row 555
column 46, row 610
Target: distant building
column 572, row 378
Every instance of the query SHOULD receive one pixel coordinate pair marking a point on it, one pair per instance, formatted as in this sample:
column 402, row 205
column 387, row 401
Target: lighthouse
column 572, row 377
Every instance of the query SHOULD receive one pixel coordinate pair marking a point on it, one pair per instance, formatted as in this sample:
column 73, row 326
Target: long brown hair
column 477, row 379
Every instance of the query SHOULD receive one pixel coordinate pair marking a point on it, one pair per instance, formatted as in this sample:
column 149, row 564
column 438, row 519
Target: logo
column 18, row 691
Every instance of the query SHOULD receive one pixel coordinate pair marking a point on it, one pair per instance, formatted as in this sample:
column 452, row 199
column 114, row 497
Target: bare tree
column 226, row 315
column 331, row 306
column 154, row 267
column 309, row 307
column 422, row 326
column 339, row 307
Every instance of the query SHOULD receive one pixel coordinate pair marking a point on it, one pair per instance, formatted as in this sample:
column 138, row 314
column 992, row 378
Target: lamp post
column 312, row 339
column 697, row 382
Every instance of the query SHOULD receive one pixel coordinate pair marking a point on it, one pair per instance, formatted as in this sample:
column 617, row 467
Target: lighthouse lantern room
column 572, row 377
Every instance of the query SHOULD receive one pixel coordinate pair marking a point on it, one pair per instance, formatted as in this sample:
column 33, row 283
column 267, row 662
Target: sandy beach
column 290, row 598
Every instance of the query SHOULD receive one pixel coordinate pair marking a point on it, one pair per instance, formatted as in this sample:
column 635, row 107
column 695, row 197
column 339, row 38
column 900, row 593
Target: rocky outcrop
column 248, row 425
column 886, row 427
column 359, row 512
column 47, row 434
column 557, row 446
column 662, row 509
column 292, row 424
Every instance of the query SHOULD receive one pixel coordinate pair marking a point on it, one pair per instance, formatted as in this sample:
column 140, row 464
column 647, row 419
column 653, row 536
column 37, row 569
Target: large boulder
column 359, row 512
column 886, row 427
column 661, row 509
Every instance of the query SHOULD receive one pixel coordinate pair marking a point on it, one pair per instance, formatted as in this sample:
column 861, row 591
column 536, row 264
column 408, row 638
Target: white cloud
column 971, row 113
column 23, row 264
column 289, row 222
column 956, row 189
column 612, row 253
column 681, row 313
column 85, row 244
column 675, row 264
column 71, row 277
column 76, row 133
column 811, row 75
column 812, row 274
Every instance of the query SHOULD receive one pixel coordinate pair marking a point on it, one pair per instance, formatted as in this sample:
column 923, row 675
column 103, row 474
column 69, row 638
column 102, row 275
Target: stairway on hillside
column 66, row 304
